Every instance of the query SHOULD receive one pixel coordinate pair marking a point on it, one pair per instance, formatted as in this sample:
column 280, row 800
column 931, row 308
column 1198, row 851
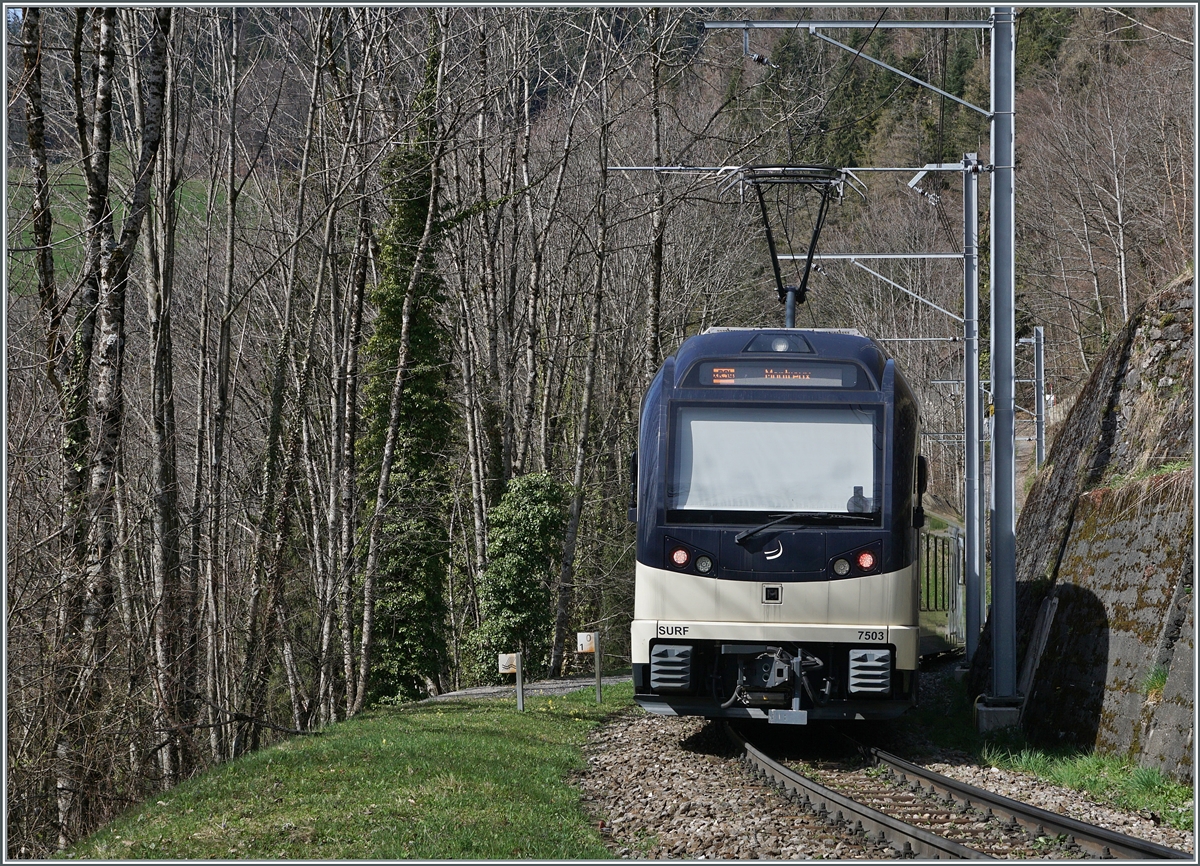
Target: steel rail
column 839, row 809
column 1100, row 842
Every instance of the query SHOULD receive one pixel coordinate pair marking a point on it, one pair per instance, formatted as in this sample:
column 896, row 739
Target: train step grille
column 870, row 671
column 671, row 668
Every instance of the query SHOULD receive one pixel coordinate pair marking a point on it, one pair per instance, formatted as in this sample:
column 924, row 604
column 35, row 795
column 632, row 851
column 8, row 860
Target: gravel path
column 665, row 787
column 540, row 687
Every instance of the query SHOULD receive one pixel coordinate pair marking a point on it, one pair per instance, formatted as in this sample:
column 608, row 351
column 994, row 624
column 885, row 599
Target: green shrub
column 525, row 538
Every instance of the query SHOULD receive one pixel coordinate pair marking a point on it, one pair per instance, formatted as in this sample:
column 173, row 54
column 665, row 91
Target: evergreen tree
column 410, row 613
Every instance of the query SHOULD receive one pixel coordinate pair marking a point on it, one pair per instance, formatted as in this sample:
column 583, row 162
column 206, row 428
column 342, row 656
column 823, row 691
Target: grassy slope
column 68, row 206
column 474, row 779
column 469, row 779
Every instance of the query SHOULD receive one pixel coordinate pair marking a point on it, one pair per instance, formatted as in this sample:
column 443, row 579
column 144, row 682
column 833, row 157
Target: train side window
column 633, row 486
column 904, row 457
column 918, row 520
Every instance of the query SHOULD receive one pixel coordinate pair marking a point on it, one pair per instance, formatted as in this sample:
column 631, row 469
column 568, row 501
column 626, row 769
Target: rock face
column 1104, row 555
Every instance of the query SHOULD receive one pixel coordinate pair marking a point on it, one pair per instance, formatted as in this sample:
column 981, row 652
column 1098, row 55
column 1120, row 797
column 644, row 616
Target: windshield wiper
column 747, row 534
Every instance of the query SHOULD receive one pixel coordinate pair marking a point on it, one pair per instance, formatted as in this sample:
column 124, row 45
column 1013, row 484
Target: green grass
column 949, row 723
column 1155, row 682
column 1107, row 779
column 459, row 779
column 68, row 205
column 1119, row 480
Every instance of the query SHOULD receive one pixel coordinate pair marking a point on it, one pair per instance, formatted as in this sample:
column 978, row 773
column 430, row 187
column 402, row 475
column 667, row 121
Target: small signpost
column 589, row 642
column 510, row 663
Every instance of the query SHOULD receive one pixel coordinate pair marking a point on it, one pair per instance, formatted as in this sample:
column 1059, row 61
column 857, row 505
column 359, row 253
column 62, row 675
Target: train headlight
column 704, row 564
column 680, row 557
column 780, row 344
column 841, row 567
column 866, row 560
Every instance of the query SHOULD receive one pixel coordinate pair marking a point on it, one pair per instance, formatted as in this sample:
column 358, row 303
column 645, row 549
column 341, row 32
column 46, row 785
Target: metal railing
column 942, row 579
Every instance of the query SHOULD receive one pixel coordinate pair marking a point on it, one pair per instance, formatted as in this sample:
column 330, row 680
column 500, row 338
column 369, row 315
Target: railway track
column 923, row 814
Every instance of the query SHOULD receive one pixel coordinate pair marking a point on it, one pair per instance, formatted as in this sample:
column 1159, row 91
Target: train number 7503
column 872, row 635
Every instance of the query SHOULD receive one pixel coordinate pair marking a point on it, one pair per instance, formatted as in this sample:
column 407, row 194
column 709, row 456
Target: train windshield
column 759, row 459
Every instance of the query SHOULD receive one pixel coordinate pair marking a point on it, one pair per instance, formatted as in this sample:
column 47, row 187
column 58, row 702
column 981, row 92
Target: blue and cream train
column 778, row 502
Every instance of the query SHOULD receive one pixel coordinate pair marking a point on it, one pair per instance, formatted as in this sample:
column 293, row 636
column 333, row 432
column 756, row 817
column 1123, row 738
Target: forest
column 327, row 328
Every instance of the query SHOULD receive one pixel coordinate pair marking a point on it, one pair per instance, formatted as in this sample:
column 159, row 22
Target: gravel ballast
column 668, row 787
column 1064, row 801
column 663, row 787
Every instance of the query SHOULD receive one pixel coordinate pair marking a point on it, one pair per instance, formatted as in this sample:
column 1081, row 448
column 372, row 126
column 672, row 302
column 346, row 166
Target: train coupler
column 794, row 716
column 770, row 678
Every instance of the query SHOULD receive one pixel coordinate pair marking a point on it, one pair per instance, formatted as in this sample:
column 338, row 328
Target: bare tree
column 566, row 581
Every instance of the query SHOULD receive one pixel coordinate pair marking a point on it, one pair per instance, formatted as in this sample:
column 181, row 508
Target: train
column 777, row 491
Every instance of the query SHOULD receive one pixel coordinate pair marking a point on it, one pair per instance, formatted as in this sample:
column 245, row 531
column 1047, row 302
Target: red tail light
column 866, row 560
column 680, row 557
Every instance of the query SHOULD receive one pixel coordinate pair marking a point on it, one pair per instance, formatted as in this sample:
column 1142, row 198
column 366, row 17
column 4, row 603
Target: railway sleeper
column 953, row 812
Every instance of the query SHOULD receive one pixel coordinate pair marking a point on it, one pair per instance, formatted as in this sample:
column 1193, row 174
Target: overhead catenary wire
column 845, row 73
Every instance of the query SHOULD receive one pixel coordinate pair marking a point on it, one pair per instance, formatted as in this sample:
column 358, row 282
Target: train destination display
column 779, row 374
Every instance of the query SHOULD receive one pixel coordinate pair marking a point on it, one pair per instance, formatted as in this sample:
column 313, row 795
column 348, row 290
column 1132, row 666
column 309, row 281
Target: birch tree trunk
column 539, row 230
column 112, row 281
column 172, row 603
column 566, row 582
column 217, row 689
column 43, row 220
column 277, row 479
column 70, row 747
column 347, row 481
column 653, row 344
